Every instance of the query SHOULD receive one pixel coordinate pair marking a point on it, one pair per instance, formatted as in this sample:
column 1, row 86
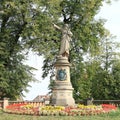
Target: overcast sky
column 109, row 12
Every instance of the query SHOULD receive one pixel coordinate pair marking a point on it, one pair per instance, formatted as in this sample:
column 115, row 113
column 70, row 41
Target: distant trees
column 106, row 78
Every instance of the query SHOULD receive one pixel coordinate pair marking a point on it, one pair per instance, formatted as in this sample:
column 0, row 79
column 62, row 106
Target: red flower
column 108, row 107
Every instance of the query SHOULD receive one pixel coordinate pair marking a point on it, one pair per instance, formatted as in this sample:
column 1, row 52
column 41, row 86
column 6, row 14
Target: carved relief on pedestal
column 61, row 74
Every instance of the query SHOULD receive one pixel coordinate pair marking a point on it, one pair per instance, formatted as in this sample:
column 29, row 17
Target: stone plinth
column 62, row 93
column 5, row 103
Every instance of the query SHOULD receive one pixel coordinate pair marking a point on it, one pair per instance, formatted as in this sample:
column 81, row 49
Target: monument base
column 62, row 94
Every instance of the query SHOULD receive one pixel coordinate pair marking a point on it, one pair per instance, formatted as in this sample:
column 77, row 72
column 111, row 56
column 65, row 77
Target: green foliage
column 14, row 75
column 86, row 30
column 105, row 82
column 88, row 36
column 94, row 77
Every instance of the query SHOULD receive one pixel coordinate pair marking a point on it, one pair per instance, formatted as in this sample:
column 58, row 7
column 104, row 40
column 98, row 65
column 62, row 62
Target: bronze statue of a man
column 65, row 40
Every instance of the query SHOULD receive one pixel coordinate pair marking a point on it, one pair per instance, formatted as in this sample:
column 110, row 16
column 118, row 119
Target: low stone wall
column 6, row 102
column 28, row 102
column 114, row 102
column 1, row 104
column 98, row 102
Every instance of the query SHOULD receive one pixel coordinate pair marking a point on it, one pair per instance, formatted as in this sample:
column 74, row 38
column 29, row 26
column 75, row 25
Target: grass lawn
column 110, row 116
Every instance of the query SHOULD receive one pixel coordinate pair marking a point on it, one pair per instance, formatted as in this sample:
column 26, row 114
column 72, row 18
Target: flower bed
column 79, row 109
column 108, row 107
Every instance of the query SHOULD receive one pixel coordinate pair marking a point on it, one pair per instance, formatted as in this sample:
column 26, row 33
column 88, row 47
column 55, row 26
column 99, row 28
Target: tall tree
column 80, row 17
column 105, row 75
column 116, row 81
column 14, row 20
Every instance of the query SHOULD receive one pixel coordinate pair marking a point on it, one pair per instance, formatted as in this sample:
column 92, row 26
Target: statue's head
column 66, row 26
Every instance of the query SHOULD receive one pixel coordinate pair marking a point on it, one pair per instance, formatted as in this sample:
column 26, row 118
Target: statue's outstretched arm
column 57, row 27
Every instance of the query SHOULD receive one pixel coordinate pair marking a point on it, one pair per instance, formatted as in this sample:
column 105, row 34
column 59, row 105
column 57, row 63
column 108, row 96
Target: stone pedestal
column 62, row 93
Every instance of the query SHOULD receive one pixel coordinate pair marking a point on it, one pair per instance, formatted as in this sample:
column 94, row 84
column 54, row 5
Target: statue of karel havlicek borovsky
column 63, row 90
column 65, row 40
